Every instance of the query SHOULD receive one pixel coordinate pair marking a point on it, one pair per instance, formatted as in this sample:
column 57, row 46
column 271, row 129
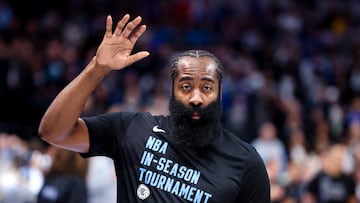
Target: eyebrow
column 191, row 78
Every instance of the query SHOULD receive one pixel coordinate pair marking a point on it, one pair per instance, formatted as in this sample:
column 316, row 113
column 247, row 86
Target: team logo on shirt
column 156, row 129
column 143, row 191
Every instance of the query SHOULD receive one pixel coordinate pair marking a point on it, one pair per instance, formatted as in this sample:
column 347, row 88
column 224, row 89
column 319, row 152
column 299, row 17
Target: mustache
column 204, row 111
column 195, row 133
column 189, row 111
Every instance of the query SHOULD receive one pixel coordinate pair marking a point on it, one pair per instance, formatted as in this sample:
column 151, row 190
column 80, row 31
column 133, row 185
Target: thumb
column 138, row 56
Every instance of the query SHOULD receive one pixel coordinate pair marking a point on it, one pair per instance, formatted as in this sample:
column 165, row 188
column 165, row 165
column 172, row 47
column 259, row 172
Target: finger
column 138, row 56
column 131, row 26
column 135, row 36
column 108, row 27
column 121, row 24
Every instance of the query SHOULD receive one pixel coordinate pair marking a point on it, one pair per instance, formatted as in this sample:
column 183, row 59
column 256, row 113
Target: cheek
column 210, row 98
column 178, row 95
column 214, row 95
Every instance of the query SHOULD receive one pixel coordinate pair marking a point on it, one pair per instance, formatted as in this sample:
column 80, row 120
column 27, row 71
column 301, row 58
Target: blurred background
column 291, row 85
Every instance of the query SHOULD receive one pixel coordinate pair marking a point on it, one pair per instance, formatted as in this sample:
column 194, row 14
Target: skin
column 197, row 83
column 61, row 124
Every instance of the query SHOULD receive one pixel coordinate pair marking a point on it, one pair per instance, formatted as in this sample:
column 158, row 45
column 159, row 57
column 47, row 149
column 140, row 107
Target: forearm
column 61, row 124
column 61, row 117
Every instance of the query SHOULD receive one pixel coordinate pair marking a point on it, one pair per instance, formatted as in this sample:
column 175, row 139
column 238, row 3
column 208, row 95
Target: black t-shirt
column 327, row 189
column 63, row 188
column 152, row 168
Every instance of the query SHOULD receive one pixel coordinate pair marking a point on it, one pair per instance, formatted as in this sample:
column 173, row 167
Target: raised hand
column 115, row 49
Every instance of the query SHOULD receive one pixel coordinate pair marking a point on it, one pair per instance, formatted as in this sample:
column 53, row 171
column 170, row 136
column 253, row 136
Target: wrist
column 97, row 69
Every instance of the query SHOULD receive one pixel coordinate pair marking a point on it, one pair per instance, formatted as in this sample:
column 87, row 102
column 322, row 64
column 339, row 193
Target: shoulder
column 235, row 143
column 119, row 117
column 245, row 153
column 255, row 185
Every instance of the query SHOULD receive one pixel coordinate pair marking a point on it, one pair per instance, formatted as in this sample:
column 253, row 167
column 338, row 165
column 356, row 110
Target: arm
column 61, row 124
column 256, row 184
column 352, row 199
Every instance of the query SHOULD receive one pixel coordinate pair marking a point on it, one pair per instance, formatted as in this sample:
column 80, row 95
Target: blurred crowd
column 291, row 84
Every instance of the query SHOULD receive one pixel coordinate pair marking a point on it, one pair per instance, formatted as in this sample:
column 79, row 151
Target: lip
column 196, row 116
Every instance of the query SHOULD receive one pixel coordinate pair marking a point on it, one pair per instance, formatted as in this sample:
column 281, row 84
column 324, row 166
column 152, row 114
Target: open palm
column 115, row 49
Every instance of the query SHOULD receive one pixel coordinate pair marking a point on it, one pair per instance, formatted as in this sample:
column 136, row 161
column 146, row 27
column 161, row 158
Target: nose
column 196, row 98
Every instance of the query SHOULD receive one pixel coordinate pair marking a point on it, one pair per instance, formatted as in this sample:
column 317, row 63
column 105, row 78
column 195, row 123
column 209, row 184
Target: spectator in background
column 65, row 181
column 331, row 184
column 21, row 173
column 270, row 147
column 356, row 155
column 303, row 164
column 273, row 152
column 101, row 180
column 306, row 47
column 101, row 176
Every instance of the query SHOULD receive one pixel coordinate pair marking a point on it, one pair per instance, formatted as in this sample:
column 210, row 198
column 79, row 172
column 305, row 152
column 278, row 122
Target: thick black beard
column 195, row 133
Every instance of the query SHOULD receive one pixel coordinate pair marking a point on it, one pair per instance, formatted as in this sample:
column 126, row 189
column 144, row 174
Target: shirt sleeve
column 256, row 187
column 105, row 131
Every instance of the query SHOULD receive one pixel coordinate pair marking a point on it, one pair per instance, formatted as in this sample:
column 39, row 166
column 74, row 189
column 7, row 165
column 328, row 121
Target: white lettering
column 182, row 190
column 147, row 158
column 188, row 174
column 176, row 187
column 160, row 165
column 208, row 196
column 148, row 175
column 163, row 148
column 182, row 171
column 198, row 196
column 161, row 182
column 150, row 142
column 167, row 166
column 195, row 177
column 168, row 185
column 174, row 169
column 142, row 170
column 154, row 179
column 156, row 145
column 191, row 194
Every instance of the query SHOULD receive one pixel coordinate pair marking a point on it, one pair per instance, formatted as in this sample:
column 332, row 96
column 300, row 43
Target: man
column 331, row 184
column 185, row 157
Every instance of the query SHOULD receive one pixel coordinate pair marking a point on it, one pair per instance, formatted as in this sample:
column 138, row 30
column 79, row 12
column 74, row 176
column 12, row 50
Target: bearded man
column 184, row 157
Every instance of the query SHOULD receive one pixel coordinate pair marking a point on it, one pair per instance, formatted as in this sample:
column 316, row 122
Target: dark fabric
column 149, row 162
column 63, row 189
column 329, row 189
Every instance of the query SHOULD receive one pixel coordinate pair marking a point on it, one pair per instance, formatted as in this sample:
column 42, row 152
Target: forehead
column 197, row 66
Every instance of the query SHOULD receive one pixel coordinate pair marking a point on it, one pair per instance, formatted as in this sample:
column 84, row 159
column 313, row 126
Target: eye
column 186, row 87
column 207, row 88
